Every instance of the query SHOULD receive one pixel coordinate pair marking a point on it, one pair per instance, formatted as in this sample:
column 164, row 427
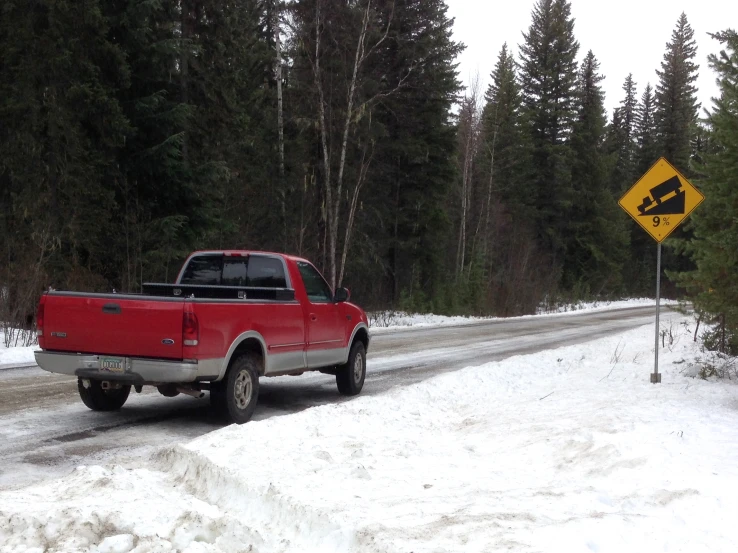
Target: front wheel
column 97, row 399
column 350, row 377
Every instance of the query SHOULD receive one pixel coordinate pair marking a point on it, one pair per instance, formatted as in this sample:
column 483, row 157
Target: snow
column 15, row 356
column 384, row 321
column 565, row 450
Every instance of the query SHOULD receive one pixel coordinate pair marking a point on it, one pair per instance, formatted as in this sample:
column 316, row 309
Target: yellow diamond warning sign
column 661, row 200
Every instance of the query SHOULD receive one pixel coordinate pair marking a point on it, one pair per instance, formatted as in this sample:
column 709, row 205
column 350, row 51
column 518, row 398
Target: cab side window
column 317, row 288
column 204, row 270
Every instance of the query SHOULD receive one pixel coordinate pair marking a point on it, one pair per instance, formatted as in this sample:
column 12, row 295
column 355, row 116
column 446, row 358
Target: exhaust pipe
column 198, row 394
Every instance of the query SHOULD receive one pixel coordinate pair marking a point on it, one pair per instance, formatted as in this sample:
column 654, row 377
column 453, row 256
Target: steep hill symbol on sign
column 662, row 202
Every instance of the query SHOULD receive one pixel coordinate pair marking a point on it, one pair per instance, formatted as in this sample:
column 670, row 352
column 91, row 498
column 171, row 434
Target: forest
column 133, row 132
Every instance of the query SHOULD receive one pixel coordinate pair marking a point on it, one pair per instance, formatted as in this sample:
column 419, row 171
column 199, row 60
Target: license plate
column 113, row 364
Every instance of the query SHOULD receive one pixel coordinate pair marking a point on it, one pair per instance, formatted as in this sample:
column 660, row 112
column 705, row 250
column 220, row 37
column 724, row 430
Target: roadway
column 46, row 431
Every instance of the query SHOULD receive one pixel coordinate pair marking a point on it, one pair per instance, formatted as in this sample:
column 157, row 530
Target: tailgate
column 113, row 324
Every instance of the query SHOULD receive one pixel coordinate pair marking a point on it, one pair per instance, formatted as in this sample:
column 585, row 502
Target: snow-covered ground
column 13, row 356
column 566, row 450
column 384, row 321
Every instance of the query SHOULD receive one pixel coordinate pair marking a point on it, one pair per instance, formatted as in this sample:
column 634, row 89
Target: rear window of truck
column 257, row 271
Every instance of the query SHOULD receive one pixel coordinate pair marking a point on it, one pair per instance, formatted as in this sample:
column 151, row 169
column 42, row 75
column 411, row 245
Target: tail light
column 40, row 317
column 190, row 329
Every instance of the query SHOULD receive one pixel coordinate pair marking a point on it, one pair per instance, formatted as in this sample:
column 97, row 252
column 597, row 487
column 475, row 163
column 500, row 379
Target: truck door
column 323, row 320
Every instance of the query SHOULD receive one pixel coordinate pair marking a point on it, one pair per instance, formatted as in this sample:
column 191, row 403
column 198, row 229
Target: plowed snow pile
column 567, row 450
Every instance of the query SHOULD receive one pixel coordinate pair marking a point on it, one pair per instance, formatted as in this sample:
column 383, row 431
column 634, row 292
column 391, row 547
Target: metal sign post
column 656, row 376
column 659, row 202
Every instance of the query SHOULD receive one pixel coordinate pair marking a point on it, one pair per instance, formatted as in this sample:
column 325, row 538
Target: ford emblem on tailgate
column 167, row 342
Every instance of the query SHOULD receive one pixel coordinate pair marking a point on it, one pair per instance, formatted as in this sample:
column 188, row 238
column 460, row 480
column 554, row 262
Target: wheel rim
column 358, row 368
column 242, row 390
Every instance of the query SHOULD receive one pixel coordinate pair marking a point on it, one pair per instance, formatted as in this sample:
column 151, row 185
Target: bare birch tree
column 280, row 111
column 469, row 127
column 356, row 109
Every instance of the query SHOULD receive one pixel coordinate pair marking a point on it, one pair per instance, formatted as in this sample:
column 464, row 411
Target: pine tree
column 624, row 172
column 676, row 96
column 597, row 238
column 714, row 246
column 159, row 203
column 509, row 200
column 645, row 132
column 505, row 145
column 642, row 264
column 549, row 83
column 234, row 139
column 195, row 103
column 613, row 146
column 62, row 126
column 406, row 216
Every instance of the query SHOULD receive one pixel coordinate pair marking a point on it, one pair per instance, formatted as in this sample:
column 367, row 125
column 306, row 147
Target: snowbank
column 14, row 356
column 385, row 321
column 566, row 450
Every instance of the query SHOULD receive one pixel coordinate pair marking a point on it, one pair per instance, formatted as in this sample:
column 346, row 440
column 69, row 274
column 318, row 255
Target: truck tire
column 97, row 399
column 350, row 377
column 241, row 387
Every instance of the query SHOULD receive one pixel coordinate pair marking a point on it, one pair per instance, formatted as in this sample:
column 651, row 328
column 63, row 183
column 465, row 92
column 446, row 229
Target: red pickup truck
column 230, row 317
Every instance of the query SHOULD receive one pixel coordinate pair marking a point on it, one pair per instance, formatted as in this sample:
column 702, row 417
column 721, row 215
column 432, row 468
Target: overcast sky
column 626, row 36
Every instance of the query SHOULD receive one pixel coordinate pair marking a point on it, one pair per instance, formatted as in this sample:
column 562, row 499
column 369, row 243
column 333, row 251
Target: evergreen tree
column 233, row 132
column 613, row 145
column 676, row 114
column 549, row 83
column 645, row 132
column 714, row 245
column 676, row 96
column 508, row 218
column 625, row 142
column 505, row 145
column 159, row 204
column 196, row 155
column 597, row 242
column 414, row 164
column 60, row 128
column 642, row 264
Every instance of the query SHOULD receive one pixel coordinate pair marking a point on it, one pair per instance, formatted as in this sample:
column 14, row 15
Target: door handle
column 313, row 317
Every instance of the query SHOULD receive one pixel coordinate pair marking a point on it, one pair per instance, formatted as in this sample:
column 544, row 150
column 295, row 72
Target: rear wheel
column 350, row 377
column 237, row 395
column 97, row 399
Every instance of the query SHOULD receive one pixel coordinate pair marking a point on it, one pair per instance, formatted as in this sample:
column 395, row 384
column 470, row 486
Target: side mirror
column 341, row 295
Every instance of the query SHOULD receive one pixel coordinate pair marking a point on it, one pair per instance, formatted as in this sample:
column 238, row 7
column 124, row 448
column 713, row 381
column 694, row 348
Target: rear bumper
column 137, row 371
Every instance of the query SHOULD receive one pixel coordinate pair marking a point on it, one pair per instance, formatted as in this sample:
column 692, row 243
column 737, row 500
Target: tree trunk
column 490, row 185
column 328, row 199
column 184, row 70
column 358, row 59
column 465, row 185
column 280, row 121
column 364, row 168
column 333, row 198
